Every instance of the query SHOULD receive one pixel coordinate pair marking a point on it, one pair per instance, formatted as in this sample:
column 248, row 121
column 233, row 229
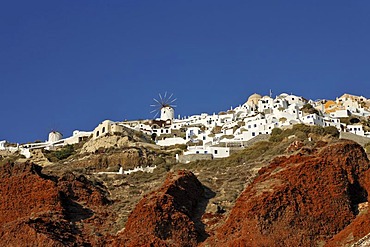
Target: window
column 103, row 130
column 216, row 151
column 253, row 134
column 197, row 152
column 97, row 133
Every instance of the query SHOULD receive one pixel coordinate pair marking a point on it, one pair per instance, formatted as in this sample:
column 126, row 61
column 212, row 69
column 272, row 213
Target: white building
column 106, row 127
column 167, row 113
column 356, row 129
column 54, row 136
column 340, row 114
column 2, row 145
column 313, row 119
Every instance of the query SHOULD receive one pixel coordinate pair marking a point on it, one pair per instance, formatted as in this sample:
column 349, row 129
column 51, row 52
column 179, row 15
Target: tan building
column 253, row 100
column 106, row 127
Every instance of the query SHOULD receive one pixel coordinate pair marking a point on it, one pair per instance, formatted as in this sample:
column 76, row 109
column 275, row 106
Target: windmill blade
column 156, row 114
column 162, row 101
column 160, row 96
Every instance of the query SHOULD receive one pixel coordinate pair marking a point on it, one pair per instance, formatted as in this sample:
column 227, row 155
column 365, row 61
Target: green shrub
column 276, row 135
column 332, row 131
column 301, row 131
column 309, row 109
column 300, row 135
column 65, row 152
column 276, row 131
column 61, row 154
column 302, row 127
column 158, row 160
column 181, row 146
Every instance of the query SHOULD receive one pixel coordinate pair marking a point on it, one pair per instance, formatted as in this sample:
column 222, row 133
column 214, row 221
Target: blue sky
column 68, row 65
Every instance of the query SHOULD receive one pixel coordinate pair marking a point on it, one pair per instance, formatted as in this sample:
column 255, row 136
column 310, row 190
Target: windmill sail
column 163, row 106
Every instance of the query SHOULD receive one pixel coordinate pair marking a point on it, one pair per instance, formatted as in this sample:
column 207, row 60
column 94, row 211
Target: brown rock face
column 166, row 217
column 360, row 227
column 299, row 200
column 38, row 210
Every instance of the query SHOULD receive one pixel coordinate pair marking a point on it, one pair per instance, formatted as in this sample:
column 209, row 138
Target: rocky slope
column 314, row 193
column 301, row 200
column 40, row 210
column 168, row 216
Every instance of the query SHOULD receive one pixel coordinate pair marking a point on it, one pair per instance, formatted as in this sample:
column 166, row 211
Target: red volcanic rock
column 300, row 200
column 166, row 217
column 360, row 227
column 39, row 210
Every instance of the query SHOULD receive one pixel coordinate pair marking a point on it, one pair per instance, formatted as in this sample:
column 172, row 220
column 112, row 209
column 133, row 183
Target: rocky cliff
column 314, row 194
column 41, row 210
column 168, row 216
column 301, row 200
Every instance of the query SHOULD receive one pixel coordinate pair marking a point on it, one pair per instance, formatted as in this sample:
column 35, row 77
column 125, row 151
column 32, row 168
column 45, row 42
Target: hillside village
column 209, row 136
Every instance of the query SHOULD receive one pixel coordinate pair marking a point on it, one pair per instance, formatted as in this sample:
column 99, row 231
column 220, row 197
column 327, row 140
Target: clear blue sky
column 68, row 65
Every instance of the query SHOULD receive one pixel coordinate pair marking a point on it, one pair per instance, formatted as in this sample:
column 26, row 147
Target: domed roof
column 284, row 95
column 253, row 99
column 254, row 96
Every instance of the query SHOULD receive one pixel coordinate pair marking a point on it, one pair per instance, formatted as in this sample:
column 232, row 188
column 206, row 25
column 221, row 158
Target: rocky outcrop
column 358, row 232
column 127, row 138
column 168, row 216
column 40, row 210
column 317, row 196
column 301, row 200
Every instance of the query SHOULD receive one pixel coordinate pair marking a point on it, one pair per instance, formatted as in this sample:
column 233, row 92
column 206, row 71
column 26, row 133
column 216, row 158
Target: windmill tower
column 164, row 106
column 54, row 136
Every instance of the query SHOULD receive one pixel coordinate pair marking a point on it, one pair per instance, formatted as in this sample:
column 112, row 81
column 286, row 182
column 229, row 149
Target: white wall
column 340, row 113
column 171, row 141
column 356, row 129
column 2, row 145
column 220, row 152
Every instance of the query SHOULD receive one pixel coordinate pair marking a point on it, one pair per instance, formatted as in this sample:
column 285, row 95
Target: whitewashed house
column 340, row 114
column 332, row 122
column 266, row 104
column 356, row 129
column 106, row 127
column 313, row 119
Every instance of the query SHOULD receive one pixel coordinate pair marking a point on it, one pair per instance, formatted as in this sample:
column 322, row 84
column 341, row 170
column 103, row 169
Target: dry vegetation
column 224, row 179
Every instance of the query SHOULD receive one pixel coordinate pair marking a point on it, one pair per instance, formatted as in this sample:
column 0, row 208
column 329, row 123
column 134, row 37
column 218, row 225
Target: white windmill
column 54, row 136
column 165, row 106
